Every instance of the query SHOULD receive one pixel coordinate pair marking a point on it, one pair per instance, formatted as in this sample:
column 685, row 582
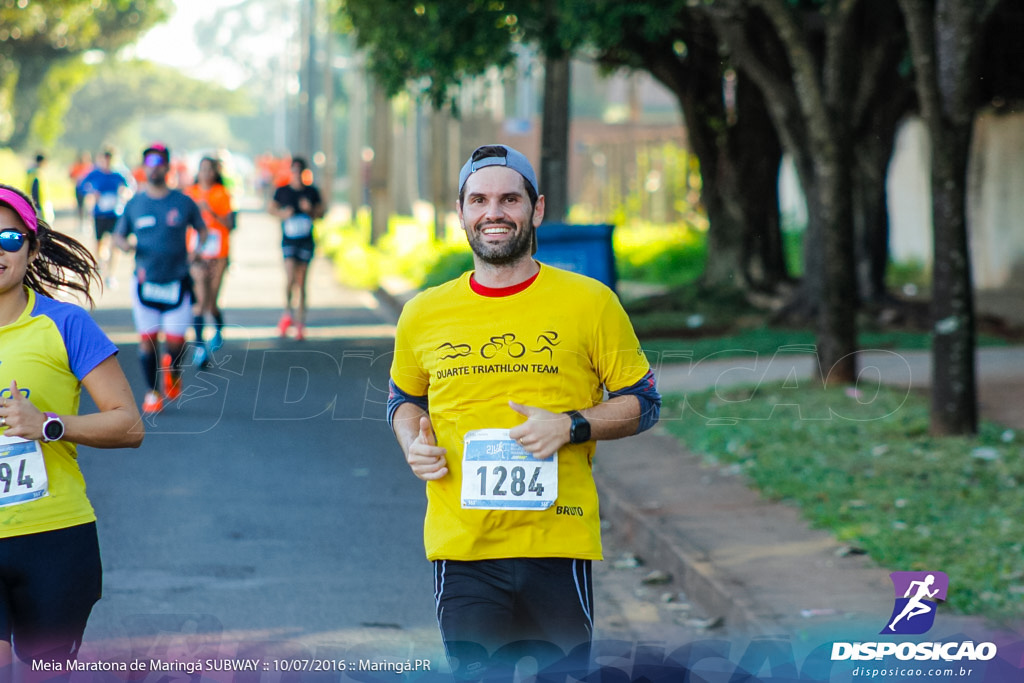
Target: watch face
column 580, row 430
column 53, row 429
column 583, row 431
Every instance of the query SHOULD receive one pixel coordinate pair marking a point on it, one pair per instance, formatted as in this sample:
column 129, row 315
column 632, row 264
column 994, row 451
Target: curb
column 690, row 568
column 389, row 302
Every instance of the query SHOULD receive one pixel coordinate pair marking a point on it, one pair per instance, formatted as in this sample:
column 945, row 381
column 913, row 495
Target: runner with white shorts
column 159, row 218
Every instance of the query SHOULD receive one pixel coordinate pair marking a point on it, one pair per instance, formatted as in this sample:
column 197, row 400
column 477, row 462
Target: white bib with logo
column 298, row 226
column 498, row 474
column 22, row 471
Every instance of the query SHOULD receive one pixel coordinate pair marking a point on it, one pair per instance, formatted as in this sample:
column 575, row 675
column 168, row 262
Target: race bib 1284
column 498, row 474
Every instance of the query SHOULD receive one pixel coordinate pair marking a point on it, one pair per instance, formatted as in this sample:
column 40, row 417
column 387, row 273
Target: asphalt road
column 270, row 512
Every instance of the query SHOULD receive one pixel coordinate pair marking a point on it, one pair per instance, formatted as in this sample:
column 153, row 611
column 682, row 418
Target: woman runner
column 211, row 260
column 50, row 573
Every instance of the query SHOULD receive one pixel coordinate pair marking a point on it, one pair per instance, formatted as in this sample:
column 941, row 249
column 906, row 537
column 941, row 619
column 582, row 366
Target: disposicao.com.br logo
column 917, row 595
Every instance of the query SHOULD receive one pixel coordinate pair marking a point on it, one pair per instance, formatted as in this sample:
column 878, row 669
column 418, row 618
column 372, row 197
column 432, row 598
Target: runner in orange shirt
column 211, row 257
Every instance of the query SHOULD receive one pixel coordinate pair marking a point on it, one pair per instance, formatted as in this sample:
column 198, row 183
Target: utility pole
column 380, row 197
column 306, row 70
column 356, row 131
column 327, row 134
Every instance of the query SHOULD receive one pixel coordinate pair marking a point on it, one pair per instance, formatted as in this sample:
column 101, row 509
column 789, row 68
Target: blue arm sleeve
column 397, row 397
column 646, row 391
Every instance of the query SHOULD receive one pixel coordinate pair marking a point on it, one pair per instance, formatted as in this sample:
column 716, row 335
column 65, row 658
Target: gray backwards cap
column 498, row 155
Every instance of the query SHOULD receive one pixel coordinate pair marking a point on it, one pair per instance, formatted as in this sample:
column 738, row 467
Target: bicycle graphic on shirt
column 505, row 342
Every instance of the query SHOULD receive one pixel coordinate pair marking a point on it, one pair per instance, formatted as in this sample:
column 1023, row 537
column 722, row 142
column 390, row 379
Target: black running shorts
column 298, row 249
column 104, row 225
column 493, row 613
column 48, row 584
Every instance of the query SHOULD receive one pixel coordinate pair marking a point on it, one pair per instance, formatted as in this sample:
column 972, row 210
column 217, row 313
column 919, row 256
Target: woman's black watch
column 579, row 429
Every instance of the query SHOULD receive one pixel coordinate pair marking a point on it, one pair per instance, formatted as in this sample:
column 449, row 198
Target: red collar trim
column 497, row 292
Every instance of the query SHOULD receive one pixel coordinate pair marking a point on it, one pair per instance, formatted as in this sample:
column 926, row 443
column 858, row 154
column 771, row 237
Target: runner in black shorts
column 49, row 551
column 104, row 226
column 108, row 189
column 501, row 382
column 504, row 609
column 53, row 579
column 298, row 204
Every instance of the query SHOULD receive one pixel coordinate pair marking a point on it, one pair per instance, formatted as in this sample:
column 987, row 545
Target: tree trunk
column 837, row 318
column 876, row 121
column 705, row 119
column 756, row 148
column 554, row 146
column 871, row 217
column 954, row 404
column 31, row 74
column 945, row 40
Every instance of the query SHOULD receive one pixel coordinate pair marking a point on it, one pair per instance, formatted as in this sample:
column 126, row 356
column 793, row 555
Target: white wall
column 995, row 197
column 995, row 202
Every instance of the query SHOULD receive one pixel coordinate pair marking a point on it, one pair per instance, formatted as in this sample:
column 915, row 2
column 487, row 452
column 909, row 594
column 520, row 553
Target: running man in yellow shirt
column 497, row 398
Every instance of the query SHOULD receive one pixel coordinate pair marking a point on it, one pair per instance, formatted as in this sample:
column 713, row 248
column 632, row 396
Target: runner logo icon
column 916, row 596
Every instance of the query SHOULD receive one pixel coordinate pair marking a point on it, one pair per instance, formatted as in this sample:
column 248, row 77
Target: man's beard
column 504, row 253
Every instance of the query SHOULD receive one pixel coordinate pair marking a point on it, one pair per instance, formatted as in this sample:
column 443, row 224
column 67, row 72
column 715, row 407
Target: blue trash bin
column 584, row 249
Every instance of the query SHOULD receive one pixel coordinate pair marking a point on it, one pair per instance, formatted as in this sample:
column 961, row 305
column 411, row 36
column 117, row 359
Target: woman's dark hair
column 62, row 261
column 218, row 178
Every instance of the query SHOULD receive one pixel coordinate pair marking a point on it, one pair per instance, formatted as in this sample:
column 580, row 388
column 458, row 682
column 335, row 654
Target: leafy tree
column 731, row 135
column 122, row 92
column 819, row 66
column 430, row 46
column 434, row 46
column 36, row 37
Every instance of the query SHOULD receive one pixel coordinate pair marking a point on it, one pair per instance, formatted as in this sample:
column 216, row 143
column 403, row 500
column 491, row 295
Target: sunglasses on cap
column 11, row 240
column 154, row 159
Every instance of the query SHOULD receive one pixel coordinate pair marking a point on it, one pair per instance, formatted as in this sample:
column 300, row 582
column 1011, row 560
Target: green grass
column 865, row 468
column 669, row 255
column 408, row 251
column 767, row 341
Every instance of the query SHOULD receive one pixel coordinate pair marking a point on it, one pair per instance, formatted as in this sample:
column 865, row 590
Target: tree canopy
column 36, row 37
column 126, row 91
column 430, row 46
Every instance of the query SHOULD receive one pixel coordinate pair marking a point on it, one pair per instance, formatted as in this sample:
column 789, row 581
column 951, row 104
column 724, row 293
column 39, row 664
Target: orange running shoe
column 300, row 332
column 152, row 404
column 172, row 387
column 283, row 324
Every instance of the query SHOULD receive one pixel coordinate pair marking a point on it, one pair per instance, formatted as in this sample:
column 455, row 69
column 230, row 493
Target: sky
column 173, row 43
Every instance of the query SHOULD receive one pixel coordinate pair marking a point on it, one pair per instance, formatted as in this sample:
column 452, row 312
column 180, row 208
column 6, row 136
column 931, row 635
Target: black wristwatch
column 53, row 428
column 579, row 430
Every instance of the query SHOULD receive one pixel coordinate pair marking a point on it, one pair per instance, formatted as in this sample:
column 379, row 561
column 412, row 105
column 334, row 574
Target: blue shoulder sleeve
column 646, row 391
column 397, row 397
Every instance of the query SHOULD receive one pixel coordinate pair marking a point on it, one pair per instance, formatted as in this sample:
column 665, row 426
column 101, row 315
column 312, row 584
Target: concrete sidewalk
column 755, row 563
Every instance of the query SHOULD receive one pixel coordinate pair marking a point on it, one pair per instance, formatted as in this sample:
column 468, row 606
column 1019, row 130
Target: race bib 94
column 498, row 474
column 22, row 471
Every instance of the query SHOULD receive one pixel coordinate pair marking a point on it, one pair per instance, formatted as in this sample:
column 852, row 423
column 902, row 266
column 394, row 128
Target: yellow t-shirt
column 555, row 345
column 48, row 350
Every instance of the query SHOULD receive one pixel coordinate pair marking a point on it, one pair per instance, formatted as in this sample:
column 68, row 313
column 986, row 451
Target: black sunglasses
column 11, row 240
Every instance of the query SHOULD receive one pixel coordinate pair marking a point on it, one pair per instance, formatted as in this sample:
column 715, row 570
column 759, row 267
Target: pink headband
column 22, row 207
